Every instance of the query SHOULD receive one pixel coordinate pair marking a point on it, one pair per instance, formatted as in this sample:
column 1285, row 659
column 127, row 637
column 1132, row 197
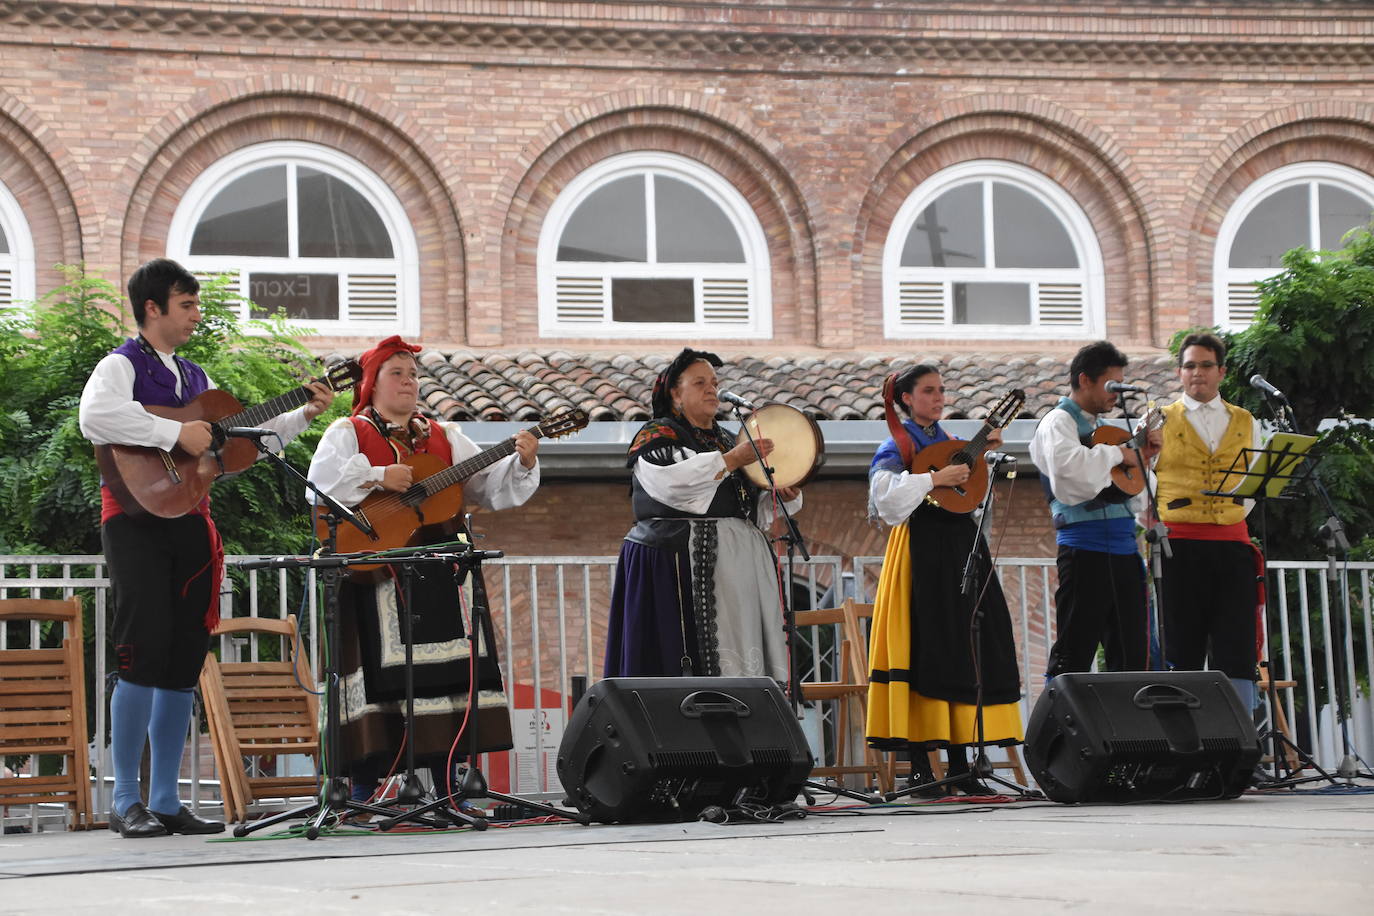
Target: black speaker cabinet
column 1141, row 736
column 662, row 749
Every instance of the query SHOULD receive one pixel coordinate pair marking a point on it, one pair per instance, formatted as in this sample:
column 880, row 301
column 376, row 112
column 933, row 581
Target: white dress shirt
column 1210, row 419
column 690, row 483
column 344, row 472
column 109, row 415
column 1076, row 472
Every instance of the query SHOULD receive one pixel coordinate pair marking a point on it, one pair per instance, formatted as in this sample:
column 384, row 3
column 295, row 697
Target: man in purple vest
column 165, row 572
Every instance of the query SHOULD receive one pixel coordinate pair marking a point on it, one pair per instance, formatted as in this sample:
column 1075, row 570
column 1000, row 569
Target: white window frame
column 19, row 262
column 1089, row 275
column 404, row 263
column 1227, row 280
column 754, row 271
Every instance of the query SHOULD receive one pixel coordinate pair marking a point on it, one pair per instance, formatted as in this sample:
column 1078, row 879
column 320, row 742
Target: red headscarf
column 371, row 361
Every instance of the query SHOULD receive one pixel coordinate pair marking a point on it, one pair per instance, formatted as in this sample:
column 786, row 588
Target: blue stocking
column 1245, row 687
column 130, row 709
column 167, row 737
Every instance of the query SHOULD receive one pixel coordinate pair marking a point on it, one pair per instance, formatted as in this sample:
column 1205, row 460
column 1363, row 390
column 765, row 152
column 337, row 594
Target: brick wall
column 824, row 118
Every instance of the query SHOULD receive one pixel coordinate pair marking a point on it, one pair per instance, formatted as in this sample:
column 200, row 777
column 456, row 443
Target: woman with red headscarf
column 357, row 456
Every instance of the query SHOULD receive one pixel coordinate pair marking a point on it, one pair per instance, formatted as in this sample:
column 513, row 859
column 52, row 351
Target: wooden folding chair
column 257, row 711
column 1279, row 721
column 848, row 690
column 43, row 711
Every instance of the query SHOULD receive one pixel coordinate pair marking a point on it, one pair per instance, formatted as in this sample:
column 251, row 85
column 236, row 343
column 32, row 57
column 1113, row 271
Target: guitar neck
column 979, row 442
column 256, row 416
column 465, row 469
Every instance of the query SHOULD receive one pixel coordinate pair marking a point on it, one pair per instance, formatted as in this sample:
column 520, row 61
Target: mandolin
column 151, row 481
column 436, row 497
column 965, row 497
column 1127, row 481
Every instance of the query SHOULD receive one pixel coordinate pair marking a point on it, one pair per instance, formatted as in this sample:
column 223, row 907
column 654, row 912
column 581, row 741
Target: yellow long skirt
column 897, row 714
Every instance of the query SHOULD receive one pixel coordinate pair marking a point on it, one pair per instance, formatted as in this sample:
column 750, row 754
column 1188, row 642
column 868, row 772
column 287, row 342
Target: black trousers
column 160, row 572
column 1100, row 600
column 1209, row 607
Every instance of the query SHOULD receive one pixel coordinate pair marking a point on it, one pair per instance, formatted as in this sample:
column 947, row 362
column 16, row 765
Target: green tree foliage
column 49, row 485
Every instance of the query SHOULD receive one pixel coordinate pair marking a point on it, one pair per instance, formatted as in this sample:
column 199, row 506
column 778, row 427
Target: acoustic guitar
column 435, row 499
column 151, row 481
column 1127, row 480
column 966, row 497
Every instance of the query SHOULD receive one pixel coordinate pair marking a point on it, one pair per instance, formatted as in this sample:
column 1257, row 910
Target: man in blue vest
column 1100, row 598
column 164, row 572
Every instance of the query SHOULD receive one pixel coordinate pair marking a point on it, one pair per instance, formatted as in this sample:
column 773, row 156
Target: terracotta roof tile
column 528, row 384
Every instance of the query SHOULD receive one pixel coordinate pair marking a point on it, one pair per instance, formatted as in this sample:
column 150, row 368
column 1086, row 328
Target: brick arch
column 1086, row 162
column 41, row 174
column 197, row 134
column 1341, row 132
column 659, row 121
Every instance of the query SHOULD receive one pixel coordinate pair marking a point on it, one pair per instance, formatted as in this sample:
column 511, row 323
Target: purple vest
column 155, row 384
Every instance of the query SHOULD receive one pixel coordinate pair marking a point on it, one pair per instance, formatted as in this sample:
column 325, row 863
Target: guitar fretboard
column 465, row 469
column 256, row 416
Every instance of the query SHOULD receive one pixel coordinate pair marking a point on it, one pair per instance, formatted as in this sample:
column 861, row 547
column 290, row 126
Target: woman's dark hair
column 662, row 397
column 907, row 381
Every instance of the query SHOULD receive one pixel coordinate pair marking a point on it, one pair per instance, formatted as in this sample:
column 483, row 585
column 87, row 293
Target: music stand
column 1263, row 474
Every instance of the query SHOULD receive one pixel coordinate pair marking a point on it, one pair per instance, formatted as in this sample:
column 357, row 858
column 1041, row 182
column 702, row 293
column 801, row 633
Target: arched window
column 16, row 253
column 307, row 230
column 1307, row 204
column 991, row 249
column 652, row 245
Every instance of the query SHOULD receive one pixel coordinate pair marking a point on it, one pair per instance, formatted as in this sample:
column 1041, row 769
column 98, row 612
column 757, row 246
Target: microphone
column 996, row 458
column 730, row 397
column 1123, row 388
column 248, row 432
column 1258, row 382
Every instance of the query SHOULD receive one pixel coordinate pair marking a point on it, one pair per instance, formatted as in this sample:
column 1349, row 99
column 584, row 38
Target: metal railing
column 550, row 615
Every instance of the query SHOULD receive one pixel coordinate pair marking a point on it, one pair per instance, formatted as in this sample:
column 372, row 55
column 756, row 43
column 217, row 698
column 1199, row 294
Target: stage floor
column 1281, row 853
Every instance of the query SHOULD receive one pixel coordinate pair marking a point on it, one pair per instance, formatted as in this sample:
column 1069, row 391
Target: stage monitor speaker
column 1141, row 736
column 659, row 749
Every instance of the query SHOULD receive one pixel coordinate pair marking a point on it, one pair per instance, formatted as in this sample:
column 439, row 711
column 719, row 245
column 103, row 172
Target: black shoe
column 136, row 823
column 186, row 822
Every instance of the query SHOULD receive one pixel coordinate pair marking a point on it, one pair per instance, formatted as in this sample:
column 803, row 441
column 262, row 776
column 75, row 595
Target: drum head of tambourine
column 797, row 445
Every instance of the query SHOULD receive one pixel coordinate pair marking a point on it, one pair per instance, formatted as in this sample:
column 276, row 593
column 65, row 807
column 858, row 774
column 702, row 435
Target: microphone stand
column 794, row 541
column 334, row 801
column 1156, row 535
column 981, row 767
column 472, row 784
column 1332, row 537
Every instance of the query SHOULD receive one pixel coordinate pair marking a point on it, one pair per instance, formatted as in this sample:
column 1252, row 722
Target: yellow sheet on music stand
column 1279, row 461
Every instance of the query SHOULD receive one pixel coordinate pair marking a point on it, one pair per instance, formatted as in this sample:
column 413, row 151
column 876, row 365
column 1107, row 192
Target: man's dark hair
column 907, row 381
column 1204, row 339
column 156, row 280
column 1093, row 360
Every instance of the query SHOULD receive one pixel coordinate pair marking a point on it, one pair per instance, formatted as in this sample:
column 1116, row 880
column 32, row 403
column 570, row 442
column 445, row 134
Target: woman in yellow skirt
column 923, row 691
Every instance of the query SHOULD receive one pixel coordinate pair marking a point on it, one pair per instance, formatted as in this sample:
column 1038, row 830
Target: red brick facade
column 1153, row 117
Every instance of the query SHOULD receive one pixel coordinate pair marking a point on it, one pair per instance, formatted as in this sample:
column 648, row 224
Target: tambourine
column 798, row 447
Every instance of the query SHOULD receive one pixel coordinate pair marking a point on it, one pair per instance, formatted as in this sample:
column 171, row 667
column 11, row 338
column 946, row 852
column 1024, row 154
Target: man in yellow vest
column 1210, row 585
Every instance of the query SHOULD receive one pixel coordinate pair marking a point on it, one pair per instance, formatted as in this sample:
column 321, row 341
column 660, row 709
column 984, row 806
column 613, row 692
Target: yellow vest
column 1186, row 467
